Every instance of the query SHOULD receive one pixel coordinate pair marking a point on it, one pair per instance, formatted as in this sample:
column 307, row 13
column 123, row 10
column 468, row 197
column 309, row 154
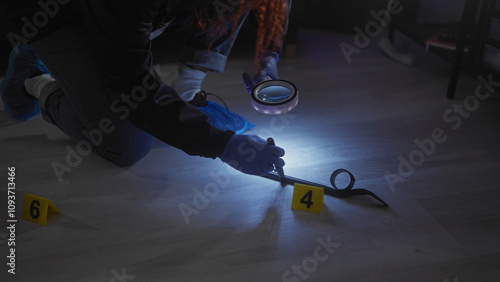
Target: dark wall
column 441, row 11
column 336, row 15
column 341, row 16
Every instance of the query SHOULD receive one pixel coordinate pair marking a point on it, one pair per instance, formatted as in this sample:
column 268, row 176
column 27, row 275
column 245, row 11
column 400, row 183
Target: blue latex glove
column 252, row 155
column 268, row 68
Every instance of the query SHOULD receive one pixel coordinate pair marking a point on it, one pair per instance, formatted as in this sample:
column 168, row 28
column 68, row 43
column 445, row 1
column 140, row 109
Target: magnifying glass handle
column 251, row 71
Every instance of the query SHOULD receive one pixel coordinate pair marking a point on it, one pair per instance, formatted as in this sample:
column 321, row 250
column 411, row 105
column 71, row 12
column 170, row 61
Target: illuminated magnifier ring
column 278, row 106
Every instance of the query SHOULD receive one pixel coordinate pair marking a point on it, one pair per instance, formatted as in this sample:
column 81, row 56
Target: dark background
column 338, row 16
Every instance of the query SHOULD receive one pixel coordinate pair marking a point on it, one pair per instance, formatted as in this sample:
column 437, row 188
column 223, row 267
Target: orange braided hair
column 271, row 18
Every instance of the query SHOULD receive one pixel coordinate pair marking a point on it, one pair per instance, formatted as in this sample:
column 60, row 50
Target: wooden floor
column 119, row 224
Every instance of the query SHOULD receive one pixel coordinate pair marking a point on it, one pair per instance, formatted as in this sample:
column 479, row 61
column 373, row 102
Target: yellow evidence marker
column 307, row 198
column 36, row 208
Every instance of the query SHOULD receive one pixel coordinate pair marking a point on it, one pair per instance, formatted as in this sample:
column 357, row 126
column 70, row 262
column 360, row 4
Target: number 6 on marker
column 36, row 208
column 307, row 198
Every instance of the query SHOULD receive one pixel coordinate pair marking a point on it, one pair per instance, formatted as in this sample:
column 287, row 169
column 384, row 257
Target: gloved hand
column 252, row 155
column 268, row 67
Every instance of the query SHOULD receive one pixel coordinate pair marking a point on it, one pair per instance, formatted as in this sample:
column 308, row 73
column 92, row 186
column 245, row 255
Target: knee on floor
column 128, row 153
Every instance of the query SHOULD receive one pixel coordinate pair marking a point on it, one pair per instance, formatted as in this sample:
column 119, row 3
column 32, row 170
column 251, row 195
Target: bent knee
column 128, row 153
column 128, row 159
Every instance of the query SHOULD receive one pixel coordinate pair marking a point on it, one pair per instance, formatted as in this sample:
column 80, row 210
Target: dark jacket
column 120, row 35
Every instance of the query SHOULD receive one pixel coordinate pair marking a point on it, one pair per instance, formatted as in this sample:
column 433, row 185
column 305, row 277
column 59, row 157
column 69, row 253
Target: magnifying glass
column 274, row 97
